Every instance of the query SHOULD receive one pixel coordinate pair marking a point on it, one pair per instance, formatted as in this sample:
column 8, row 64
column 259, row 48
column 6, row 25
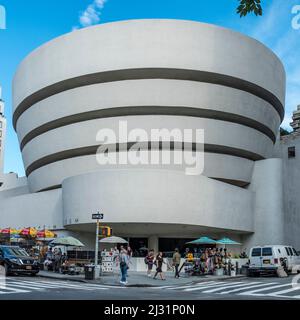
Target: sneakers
column 124, row 283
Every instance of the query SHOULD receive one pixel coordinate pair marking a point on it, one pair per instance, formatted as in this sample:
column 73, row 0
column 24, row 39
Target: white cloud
column 276, row 32
column 269, row 23
column 91, row 15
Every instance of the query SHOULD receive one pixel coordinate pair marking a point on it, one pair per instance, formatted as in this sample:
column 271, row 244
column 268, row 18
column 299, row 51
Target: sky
column 31, row 23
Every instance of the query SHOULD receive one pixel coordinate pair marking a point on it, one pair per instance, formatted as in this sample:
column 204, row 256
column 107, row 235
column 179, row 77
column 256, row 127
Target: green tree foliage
column 284, row 132
column 249, row 6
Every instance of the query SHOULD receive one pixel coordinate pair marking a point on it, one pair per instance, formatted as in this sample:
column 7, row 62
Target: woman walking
column 129, row 256
column 159, row 262
column 149, row 260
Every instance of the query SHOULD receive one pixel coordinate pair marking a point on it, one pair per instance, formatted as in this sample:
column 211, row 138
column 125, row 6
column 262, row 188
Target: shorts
column 150, row 266
column 158, row 269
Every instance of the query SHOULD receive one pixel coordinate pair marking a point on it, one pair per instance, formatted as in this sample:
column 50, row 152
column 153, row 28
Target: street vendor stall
column 211, row 260
column 8, row 234
column 108, row 256
column 70, row 268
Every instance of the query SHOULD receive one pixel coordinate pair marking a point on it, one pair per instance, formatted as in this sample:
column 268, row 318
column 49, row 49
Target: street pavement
column 38, row 288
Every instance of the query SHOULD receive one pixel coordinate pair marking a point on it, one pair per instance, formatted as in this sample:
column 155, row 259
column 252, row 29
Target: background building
column 2, row 134
column 295, row 124
column 155, row 74
column 288, row 149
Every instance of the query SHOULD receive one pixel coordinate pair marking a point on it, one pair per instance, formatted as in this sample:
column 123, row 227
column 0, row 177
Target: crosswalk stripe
column 36, row 284
column 33, row 284
column 14, row 290
column 188, row 286
column 162, row 287
column 248, row 287
column 282, row 292
column 254, row 292
column 234, row 285
column 29, row 285
column 69, row 285
column 55, row 285
column 219, row 284
column 15, row 284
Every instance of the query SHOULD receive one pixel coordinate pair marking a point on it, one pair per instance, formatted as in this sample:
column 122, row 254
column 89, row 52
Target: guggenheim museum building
column 150, row 74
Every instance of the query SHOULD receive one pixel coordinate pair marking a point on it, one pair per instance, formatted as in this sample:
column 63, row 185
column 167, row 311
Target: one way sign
column 98, row 216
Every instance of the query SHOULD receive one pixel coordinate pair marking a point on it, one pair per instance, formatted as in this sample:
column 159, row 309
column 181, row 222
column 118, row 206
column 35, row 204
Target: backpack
column 146, row 260
column 122, row 261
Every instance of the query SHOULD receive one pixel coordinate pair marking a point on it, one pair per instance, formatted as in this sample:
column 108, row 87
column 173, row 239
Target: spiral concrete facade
column 153, row 74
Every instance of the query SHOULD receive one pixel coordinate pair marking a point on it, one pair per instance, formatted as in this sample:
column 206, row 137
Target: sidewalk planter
column 219, row 272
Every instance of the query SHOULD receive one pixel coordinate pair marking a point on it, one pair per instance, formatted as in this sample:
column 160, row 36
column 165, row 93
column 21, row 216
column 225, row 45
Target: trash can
column 245, row 270
column 89, row 272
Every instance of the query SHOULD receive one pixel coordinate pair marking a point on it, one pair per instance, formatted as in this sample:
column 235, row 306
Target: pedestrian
column 159, row 260
column 57, row 259
column 176, row 262
column 64, row 264
column 149, row 260
column 123, row 258
column 129, row 256
column 64, row 258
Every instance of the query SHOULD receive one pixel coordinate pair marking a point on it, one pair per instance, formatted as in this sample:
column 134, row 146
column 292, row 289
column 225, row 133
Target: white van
column 266, row 259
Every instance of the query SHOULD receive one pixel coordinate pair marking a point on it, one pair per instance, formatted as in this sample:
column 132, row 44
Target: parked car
column 266, row 259
column 16, row 260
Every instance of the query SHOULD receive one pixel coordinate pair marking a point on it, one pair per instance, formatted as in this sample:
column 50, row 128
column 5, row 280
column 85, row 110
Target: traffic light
column 105, row 231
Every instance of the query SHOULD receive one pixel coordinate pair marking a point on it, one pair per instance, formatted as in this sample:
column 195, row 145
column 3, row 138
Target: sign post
column 98, row 216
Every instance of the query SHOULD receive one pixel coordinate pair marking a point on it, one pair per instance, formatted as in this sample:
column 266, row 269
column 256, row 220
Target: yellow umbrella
column 9, row 231
column 46, row 234
column 32, row 232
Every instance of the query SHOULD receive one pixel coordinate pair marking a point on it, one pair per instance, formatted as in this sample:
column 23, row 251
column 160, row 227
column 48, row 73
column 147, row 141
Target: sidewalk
column 138, row 279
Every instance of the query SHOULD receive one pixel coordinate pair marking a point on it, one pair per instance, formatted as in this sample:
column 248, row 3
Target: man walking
column 123, row 258
column 176, row 262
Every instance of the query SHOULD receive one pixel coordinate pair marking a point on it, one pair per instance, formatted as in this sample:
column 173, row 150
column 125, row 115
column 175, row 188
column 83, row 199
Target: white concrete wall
column 2, row 136
column 169, row 44
column 267, row 183
column 164, row 92
column 11, row 181
column 32, row 210
column 156, row 196
column 216, row 166
column 291, row 187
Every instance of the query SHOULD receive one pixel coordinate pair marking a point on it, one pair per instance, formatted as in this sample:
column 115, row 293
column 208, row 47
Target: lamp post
column 98, row 216
column 97, row 243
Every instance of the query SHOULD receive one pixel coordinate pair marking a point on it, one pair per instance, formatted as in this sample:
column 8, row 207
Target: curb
column 240, row 276
column 64, row 279
column 98, row 282
column 193, row 281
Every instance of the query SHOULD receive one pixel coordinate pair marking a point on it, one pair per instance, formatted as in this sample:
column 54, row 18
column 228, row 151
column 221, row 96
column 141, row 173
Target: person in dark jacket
column 159, row 260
